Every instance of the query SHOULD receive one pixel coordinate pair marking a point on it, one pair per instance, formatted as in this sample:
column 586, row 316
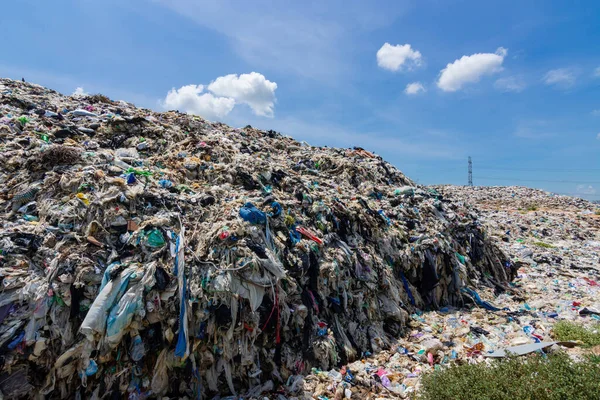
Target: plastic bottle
column 385, row 381
column 137, row 348
column 335, row 375
column 121, row 164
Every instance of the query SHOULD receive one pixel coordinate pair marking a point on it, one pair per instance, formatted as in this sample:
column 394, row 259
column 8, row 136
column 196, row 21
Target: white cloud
column 597, row 72
column 190, row 99
column 79, row 92
column 470, row 69
column 398, row 57
column 598, row 136
column 596, row 113
column 510, row 84
column 586, row 189
column 222, row 96
column 251, row 89
column 414, row 88
column 561, row 77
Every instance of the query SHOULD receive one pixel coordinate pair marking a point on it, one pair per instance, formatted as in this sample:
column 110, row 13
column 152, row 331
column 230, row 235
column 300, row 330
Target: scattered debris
column 527, row 348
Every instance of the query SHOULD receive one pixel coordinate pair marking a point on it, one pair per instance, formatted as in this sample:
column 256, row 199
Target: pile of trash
column 515, row 197
column 553, row 230
column 552, row 243
column 161, row 255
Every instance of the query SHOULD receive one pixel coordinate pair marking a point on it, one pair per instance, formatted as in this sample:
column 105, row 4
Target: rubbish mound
column 536, row 227
column 553, row 243
column 516, row 197
column 158, row 254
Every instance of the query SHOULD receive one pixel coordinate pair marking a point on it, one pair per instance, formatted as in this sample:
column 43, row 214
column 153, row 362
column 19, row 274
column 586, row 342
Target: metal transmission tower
column 470, row 172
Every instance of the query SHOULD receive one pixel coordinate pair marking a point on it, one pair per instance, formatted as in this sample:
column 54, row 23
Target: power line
column 541, row 169
column 534, row 180
column 577, row 194
column 555, row 170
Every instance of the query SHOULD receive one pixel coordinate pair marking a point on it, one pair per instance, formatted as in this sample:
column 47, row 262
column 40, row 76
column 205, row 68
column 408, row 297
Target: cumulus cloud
column 79, row 92
column 586, row 189
column 510, row 84
column 470, row 69
column 252, row 89
column 398, row 57
column 414, row 88
column 191, row 99
column 223, row 94
column 561, row 77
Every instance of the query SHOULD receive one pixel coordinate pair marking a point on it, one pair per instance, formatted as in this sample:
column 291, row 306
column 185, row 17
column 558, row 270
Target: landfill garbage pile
column 553, row 230
column 553, row 244
column 148, row 254
column 514, row 197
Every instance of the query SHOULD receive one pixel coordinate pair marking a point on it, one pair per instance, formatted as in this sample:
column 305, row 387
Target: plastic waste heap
column 147, row 254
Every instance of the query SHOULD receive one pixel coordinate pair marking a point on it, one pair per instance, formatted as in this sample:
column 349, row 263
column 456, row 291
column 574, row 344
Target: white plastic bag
column 95, row 320
column 122, row 313
column 160, row 380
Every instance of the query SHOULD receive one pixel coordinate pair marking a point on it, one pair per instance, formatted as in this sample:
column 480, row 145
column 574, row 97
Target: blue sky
column 513, row 84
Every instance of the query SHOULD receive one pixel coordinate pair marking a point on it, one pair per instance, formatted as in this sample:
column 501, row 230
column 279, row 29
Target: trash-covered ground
column 149, row 255
column 158, row 255
column 553, row 242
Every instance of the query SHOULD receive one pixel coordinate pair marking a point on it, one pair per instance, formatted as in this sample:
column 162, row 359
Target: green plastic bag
column 155, row 238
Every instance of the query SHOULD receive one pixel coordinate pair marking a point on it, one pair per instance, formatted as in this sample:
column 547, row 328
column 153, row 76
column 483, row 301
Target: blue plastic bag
column 250, row 213
column 277, row 209
column 165, row 183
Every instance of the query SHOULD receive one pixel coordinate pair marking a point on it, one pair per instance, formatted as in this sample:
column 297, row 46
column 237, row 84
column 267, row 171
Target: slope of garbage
column 541, row 230
column 147, row 254
column 515, row 197
column 552, row 243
